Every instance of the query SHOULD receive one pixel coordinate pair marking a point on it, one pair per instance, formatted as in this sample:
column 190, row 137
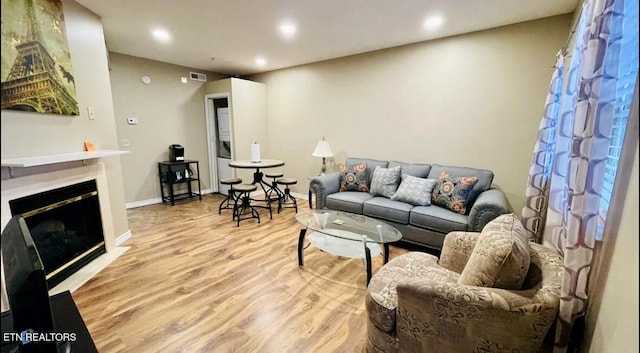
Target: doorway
column 219, row 140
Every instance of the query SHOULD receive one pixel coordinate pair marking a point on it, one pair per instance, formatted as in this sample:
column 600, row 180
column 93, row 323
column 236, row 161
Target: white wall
column 168, row 111
column 33, row 134
column 248, row 111
column 616, row 326
column 470, row 100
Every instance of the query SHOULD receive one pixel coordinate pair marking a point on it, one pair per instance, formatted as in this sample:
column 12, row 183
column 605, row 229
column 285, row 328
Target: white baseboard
column 300, row 196
column 124, row 237
column 153, row 201
column 207, row 191
column 148, row 202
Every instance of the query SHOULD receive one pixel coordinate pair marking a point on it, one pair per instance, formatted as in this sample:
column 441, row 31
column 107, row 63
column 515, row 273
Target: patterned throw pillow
column 501, row 257
column 353, row 177
column 452, row 193
column 385, row 181
column 414, row 190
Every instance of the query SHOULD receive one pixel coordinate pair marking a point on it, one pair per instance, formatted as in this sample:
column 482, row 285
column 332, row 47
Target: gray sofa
column 422, row 225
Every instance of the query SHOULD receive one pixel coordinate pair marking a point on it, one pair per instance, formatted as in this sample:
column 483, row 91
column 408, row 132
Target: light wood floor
column 194, row 282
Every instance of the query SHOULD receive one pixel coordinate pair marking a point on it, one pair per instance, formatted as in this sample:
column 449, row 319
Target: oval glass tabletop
column 349, row 226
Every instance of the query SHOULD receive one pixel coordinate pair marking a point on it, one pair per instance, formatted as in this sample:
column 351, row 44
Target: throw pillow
column 453, row 192
column 385, row 181
column 353, row 177
column 414, row 190
column 501, row 257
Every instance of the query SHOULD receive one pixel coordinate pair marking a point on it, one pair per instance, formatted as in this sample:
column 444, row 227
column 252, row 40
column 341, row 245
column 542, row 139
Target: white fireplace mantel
column 23, row 166
column 34, row 161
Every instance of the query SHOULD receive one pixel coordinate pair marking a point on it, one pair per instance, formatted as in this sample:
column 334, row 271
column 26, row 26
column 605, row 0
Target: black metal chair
column 242, row 208
column 287, row 200
column 274, row 189
column 229, row 202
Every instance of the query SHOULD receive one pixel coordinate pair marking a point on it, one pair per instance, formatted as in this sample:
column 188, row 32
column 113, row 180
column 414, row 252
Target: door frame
column 211, row 135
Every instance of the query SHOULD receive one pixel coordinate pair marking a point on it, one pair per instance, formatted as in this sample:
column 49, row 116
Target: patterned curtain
column 571, row 153
column 537, row 192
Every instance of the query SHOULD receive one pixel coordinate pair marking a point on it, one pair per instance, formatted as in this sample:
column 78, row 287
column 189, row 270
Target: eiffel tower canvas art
column 36, row 64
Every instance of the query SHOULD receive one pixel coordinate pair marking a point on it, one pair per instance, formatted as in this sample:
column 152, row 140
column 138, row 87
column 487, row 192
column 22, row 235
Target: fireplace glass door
column 66, row 227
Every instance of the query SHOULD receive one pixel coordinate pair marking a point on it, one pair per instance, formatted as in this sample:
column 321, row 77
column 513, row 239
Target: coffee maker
column 176, row 153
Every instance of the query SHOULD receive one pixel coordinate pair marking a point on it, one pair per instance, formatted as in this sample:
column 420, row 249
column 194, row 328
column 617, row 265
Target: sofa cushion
column 348, row 201
column 485, row 178
column 438, row 218
column 453, row 192
column 383, row 208
column 353, row 177
column 413, row 169
column 501, row 256
column 381, row 299
column 385, row 181
column 371, row 165
column 415, row 191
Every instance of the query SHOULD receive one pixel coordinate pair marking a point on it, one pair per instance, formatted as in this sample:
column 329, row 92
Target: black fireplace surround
column 66, row 226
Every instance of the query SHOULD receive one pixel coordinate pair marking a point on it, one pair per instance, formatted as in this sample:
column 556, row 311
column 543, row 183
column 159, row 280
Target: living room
column 473, row 99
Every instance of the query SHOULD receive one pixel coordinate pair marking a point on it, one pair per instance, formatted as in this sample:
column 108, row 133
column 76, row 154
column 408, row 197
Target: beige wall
column 616, row 326
column 168, row 111
column 32, row 134
column 248, row 110
column 470, row 100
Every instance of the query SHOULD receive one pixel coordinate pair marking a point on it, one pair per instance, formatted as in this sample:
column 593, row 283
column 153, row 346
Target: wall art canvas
column 36, row 64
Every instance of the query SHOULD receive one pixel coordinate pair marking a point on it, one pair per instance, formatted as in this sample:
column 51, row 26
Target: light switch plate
column 91, row 113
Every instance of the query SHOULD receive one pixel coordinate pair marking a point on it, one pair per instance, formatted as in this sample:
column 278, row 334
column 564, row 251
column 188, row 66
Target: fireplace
column 66, row 227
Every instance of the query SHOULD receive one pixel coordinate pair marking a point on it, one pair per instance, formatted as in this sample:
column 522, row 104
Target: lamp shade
column 322, row 150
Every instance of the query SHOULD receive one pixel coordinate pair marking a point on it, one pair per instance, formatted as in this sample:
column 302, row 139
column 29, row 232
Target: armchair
column 415, row 303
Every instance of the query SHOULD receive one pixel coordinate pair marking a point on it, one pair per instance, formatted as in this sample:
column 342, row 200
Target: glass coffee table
column 346, row 234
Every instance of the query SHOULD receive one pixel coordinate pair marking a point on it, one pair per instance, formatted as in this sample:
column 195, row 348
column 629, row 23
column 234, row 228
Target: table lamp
column 323, row 150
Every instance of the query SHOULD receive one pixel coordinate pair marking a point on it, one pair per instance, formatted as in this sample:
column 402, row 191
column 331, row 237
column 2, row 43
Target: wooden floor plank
column 193, row 281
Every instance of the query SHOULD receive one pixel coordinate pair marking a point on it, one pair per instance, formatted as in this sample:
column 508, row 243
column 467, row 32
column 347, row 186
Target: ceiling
column 235, row 33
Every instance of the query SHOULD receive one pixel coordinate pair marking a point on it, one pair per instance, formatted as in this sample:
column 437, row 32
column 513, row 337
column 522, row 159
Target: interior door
column 219, row 140
column 223, row 123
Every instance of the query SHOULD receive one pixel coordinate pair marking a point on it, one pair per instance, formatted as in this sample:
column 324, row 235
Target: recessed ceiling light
column 161, row 35
column 260, row 61
column 288, row 30
column 433, row 22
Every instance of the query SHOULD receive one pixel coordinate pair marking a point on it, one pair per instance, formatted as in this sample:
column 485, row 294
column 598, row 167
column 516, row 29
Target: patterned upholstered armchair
column 419, row 303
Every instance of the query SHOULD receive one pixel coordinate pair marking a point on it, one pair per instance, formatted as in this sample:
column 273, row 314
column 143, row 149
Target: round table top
column 265, row 163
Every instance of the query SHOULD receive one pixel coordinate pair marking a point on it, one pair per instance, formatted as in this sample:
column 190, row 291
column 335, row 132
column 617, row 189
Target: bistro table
column 257, row 175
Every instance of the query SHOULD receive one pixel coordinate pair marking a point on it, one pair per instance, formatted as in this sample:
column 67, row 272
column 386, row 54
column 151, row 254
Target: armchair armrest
column 457, row 249
column 489, row 205
column 451, row 315
column 324, row 185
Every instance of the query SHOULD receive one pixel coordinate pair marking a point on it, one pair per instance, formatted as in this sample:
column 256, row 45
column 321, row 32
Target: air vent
column 196, row 76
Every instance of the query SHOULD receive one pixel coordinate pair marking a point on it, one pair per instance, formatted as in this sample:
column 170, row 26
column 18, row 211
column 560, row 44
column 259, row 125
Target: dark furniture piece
column 258, row 179
column 66, row 319
column 274, row 189
column 173, row 174
column 287, row 200
column 258, row 175
column 229, row 202
column 243, row 209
